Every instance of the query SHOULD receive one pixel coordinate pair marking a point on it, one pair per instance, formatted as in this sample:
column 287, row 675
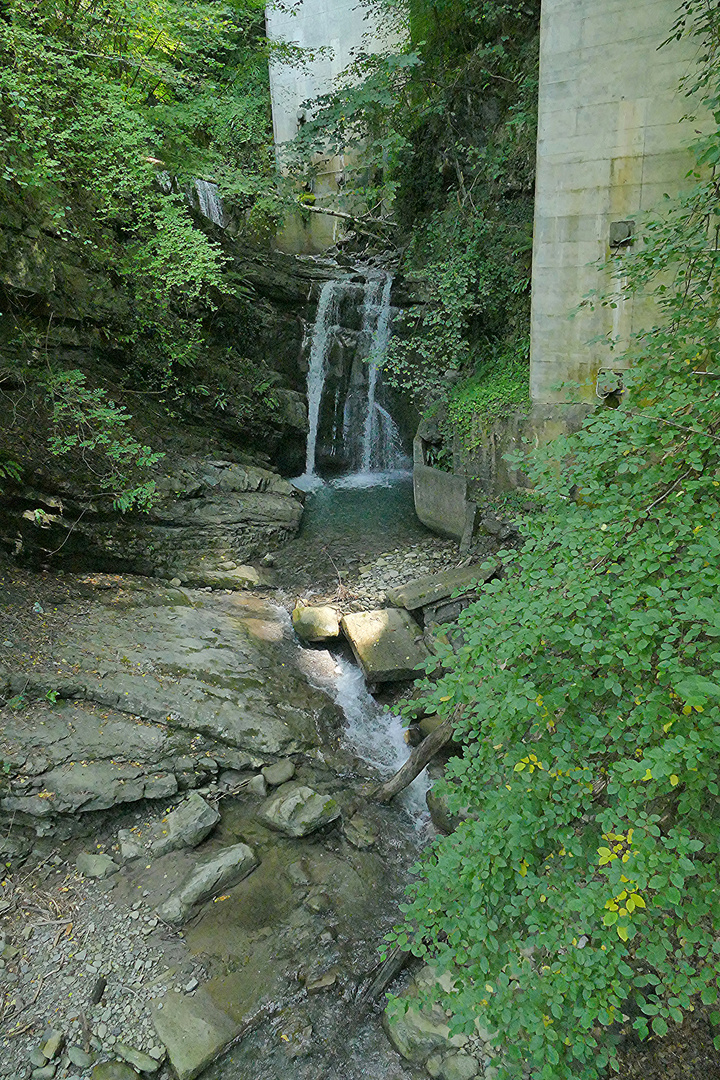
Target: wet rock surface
column 144, row 726
column 182, row 741
column 387, row 643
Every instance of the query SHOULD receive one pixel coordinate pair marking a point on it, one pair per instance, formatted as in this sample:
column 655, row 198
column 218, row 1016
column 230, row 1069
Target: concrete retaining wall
column 341, row 29
column 611, row 144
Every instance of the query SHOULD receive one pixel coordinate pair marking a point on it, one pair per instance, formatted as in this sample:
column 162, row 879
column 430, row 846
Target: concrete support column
column 611, row 143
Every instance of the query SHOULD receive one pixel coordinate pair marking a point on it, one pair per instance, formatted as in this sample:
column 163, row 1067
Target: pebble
column 47, row 1072
column 78, row 1057
column 52, row 1044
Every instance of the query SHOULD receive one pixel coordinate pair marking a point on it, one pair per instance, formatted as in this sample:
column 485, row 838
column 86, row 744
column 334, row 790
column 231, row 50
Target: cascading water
column 325, row 320
column 370, row 441
column 209, row 202
column 376, row 450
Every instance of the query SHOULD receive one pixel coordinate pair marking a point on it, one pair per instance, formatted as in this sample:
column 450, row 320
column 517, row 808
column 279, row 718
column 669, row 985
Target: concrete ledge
column 440, row 500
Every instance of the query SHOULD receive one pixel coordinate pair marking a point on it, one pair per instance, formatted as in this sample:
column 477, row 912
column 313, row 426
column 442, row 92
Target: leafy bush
column 583, row 892
column 101, row 104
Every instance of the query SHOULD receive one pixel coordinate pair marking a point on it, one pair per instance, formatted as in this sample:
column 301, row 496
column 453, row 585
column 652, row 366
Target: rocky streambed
column 195, row 866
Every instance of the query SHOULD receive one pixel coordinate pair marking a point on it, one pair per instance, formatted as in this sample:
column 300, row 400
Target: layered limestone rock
column 153, row 691
column 387, row 644
column 210, row 517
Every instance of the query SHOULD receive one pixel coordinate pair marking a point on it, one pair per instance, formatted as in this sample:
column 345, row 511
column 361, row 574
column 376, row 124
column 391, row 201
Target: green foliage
column 86, row 420
column 583, row 892
column 9, row 469
column 498, row 387
column 108, row 112
column 442, row 133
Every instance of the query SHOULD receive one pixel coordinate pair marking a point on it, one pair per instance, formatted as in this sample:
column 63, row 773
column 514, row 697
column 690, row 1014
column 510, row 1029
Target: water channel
column 348, row 519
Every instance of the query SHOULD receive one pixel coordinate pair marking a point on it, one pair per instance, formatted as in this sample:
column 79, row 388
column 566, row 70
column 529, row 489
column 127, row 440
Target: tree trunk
column 416, row 762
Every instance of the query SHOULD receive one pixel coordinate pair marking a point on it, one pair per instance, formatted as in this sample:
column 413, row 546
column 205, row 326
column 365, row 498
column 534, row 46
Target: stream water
column 348, row 519
column 333, row 919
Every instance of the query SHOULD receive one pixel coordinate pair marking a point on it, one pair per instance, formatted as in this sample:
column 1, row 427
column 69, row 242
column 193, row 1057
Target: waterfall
column 209, row 201
column 325, row 320
column 356, row 427
column 377, row 311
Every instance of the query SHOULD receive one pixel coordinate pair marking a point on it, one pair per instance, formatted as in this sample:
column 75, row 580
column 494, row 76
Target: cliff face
column 222, row 431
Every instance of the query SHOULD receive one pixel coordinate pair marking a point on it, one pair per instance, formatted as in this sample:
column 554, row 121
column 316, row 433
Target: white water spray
column 325, row 320
column 210, row 202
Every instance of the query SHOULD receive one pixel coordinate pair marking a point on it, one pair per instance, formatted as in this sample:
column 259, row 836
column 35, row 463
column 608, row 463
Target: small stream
column 349, row 520
column 311, row 1036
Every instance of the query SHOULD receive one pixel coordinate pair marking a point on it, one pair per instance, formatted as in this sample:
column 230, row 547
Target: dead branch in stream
column 417, row 761
column 386, row 973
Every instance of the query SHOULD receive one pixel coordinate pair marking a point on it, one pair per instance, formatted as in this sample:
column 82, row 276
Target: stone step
column 429, row 590
column 387, row 644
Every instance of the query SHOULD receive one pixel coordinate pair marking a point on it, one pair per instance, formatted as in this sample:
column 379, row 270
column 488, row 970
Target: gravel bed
column 74, row 962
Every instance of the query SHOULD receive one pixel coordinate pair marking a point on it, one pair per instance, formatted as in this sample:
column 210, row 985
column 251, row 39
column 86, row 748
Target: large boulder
column 418, row 1026
column 193, row 1030
column 387, row 643
column 314, row 624
column 298, row 810
column 439, row 809
column 416, row 1022
column 220, row 871
column 187, row 825
column 96, row 864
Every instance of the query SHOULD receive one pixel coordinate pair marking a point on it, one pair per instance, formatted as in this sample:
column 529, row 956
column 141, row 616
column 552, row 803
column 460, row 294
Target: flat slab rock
column 194, row 1031
column 428, row 590
column 387, row 644
column 242, row 577
column 220, row 871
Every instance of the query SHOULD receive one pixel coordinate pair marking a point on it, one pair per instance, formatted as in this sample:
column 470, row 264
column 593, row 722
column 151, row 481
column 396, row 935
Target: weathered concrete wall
column 341, row 28
column 482, row 455
column 440, row 497
column 611, row 143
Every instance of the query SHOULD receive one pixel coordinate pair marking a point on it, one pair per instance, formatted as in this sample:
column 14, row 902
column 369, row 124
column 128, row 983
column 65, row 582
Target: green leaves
column 593, row 877
column 109, row 114
column 697, row 691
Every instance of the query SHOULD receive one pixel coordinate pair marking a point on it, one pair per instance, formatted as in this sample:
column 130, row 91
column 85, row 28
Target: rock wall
column 220, row 501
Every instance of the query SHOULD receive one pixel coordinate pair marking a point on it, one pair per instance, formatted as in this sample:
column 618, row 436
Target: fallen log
column 384, row 975
column 415, row 764
column 357, row 223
